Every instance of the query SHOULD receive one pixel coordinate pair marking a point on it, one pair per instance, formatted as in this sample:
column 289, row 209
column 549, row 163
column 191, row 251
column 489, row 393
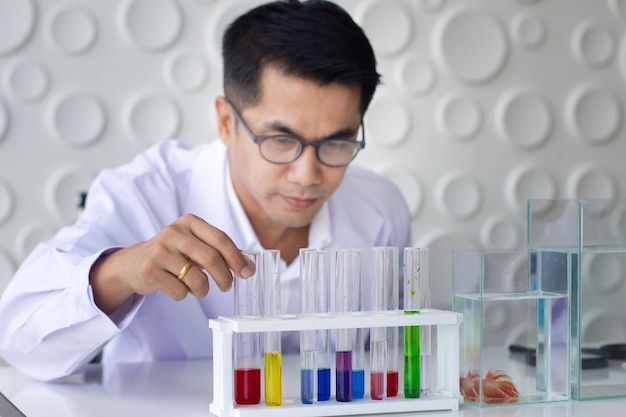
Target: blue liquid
column 307, row 386
column 323, row 384
column 358, row 383
column 344, row 376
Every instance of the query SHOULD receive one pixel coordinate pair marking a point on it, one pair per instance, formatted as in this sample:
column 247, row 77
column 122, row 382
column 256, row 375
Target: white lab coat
column 50, row 326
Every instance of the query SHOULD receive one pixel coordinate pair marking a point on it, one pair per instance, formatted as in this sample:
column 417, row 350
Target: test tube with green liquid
column 272, row 308
column 416, row 298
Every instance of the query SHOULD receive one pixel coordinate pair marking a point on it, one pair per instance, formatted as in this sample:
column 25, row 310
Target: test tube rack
column 444, row 396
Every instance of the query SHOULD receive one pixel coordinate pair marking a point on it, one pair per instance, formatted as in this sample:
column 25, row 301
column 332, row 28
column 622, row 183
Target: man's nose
column 306, row 170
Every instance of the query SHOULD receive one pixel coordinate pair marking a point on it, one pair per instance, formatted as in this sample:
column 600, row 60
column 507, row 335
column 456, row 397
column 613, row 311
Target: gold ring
column 184, row 270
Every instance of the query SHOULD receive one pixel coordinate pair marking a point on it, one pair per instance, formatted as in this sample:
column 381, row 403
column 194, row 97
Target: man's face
column 288, row 195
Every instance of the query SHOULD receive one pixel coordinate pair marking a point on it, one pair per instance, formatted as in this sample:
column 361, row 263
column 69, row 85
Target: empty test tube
column 384, row 341
column 272, row 307
column 247, row 351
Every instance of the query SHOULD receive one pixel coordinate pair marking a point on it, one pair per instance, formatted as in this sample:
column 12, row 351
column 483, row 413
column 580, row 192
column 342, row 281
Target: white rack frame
column 446, row 396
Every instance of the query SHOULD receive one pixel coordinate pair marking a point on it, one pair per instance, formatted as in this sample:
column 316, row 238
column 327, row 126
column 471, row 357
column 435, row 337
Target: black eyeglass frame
column 259, row 139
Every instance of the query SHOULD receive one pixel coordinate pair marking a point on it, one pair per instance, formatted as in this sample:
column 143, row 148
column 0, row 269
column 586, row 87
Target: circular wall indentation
column 4, row 120
column 79, row 119
column 389, row 121
column 590, row 181
column 459, row 195
column 388, row 26
column 30, row 236
column 593, row 45
column 416, row 76
column 152, row 25
column 432, row 5
column 64, row 188
column 459, row 117
column 528, row 182
column 618, row 8
column 524, row 120
column 594, row 114
column 604, row 272
column 73, row 30
column 528, row 31
column 188, row 72
column 501, row 233
column 153, row 118
column 7, row 202
column 472, row 46
column 17, row 23
column 7, row 269
column 409, row 186
column 28, row 82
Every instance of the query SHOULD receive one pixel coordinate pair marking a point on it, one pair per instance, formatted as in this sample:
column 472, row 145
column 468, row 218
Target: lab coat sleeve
column 50, row 326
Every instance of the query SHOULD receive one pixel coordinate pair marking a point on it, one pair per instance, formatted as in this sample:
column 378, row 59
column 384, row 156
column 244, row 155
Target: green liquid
column 411, row 360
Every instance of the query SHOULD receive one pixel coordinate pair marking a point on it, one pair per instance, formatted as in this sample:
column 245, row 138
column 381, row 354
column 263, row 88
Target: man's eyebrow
column 282, row 128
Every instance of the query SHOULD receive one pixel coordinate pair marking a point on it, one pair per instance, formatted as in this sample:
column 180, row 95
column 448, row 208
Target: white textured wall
column 485, row 104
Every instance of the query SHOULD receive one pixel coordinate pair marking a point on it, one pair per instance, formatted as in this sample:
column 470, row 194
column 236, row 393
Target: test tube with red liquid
column 384, row 349
column 247, row 351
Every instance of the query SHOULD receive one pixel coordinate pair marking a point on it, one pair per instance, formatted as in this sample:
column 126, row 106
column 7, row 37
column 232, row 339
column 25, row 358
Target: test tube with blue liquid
column 272, row 308
column 247, row 351
column 309, row 300
column 416, row 298
column 358, row 345
column 322, row 259
column 344, row 273
column 384, row 341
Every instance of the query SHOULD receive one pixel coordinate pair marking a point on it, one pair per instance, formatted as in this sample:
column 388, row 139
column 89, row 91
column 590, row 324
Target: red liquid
column 247, row 385
column 377, row 385
column 392, row 383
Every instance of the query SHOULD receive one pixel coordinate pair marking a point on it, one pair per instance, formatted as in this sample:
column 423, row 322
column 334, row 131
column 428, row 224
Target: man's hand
column 154, row 265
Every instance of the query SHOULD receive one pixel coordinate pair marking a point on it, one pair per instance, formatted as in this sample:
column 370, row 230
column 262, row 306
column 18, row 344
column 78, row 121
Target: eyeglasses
column 283, row 149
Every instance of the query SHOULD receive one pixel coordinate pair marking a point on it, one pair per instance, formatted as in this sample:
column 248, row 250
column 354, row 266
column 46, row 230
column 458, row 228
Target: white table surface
column 184, row 388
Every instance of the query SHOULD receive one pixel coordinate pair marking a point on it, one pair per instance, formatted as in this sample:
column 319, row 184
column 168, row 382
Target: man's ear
column 225, row 120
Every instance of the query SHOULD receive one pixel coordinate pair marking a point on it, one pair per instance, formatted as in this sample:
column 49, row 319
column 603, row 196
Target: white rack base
column 445, row 395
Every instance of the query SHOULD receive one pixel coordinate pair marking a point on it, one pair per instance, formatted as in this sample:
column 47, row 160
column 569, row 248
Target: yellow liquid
column 273, row 378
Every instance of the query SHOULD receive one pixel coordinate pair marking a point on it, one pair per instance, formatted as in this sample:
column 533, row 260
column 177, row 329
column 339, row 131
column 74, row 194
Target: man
column 151, row 257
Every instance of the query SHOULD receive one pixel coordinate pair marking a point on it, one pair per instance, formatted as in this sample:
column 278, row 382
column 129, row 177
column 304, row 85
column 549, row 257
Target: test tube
column 272, row 307
column 416, row 298
column 358, row 347
column 343, row 343
column 309, row 300
column 384, row 341
column 247, row 350
column 322, row 259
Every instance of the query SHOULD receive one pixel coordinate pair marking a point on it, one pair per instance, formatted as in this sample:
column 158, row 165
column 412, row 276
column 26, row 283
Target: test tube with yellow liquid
column 272, row 308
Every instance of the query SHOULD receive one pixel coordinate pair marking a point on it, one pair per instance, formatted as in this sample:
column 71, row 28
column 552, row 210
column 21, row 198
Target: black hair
column 316, row 40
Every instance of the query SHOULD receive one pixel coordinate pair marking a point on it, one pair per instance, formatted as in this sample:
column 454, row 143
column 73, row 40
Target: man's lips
column 299, row 203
